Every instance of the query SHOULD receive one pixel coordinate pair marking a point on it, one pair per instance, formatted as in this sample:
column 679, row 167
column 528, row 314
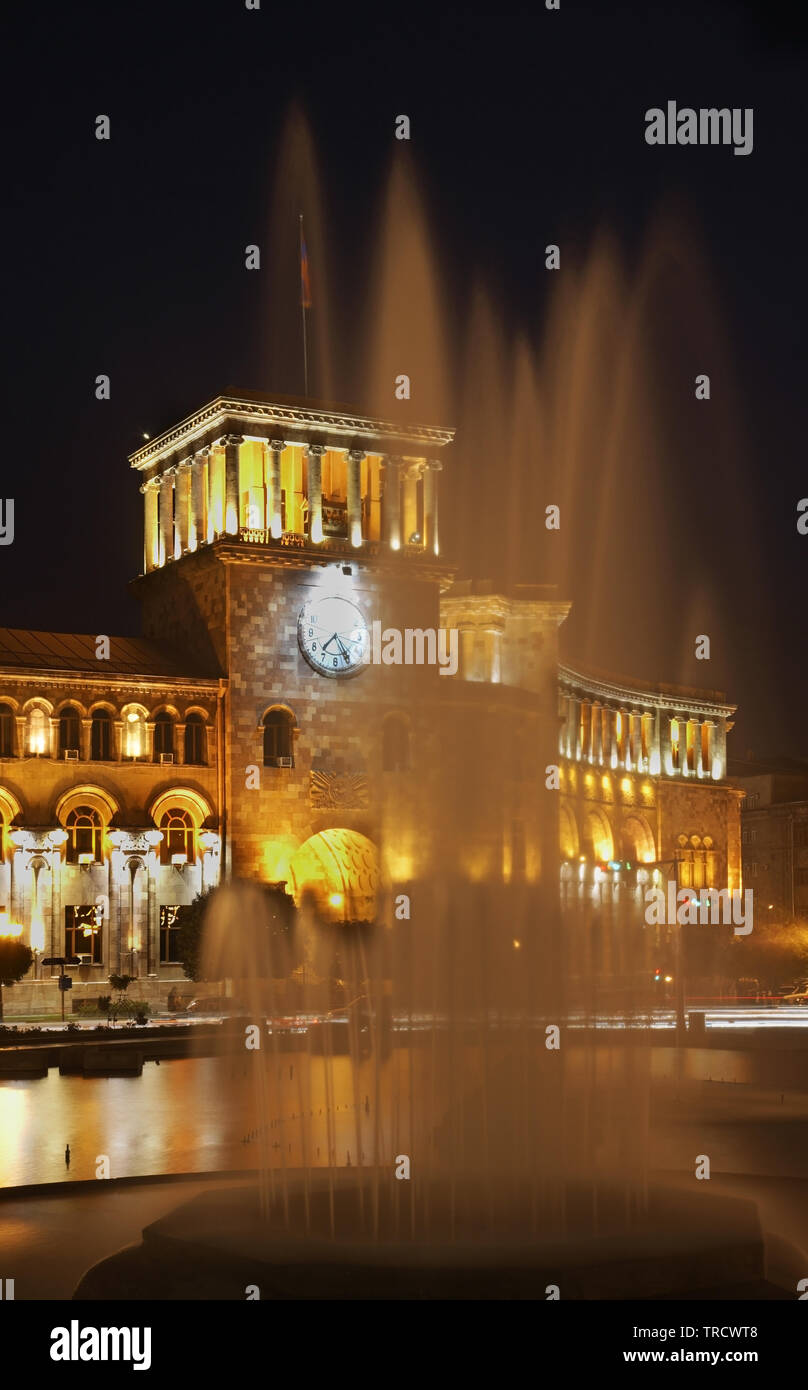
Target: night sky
column 126, row 257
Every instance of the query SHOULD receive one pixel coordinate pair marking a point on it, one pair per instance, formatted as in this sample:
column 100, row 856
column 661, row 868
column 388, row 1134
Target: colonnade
column 635, row 738
column 199, row 498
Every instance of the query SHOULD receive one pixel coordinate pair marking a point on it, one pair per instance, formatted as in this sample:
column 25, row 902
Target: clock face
column 333, row 636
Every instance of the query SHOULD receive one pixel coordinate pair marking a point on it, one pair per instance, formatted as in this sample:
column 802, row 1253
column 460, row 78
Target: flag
column 305, row 284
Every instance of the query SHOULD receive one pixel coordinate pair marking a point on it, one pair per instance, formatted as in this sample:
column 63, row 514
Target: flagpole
column 303, row 316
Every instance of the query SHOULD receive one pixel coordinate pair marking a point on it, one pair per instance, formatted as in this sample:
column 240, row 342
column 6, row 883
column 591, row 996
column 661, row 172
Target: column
column 412, row 472
column 231, row 444
column 182, row 505
column 683, row 767
column 166, row 516
column 86, row 739
column 617, row 718
column 586, row 728
column 179, row 743
column 20, row 749
column 493, row 655
column 117, row 729
column 708, row 747
column 568, row 746
column 315, row 478
column 355, row 457
column 431, row 543
column 391, row 501
column 607, row 720
column 196, row 525
column 636, row 739
column 151, row 536
column 562, row 722
column 718, row 745
column 597, row 732
column 697, row 768
column 665, row 749
column 620, row 737
column 576, row 728
column 274, row 502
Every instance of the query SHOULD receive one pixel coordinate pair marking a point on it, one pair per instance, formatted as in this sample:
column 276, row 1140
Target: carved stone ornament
column 346, row 791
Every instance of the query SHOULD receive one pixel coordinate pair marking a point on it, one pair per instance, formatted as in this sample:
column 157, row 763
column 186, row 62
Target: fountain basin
column 684, row 1245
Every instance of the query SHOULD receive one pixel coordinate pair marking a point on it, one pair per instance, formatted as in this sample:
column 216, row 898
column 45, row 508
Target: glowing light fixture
column 336, row 900
column 179, row 859
column 58, row 837
column 153, row 837
column 9, row 931
column 86, row 859
column 208, row 839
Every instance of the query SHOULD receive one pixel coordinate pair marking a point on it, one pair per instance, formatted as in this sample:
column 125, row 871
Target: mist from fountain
column 438, row 1046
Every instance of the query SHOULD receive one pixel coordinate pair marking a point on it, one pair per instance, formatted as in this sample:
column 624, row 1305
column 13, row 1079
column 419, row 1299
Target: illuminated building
column 774, row 835
column 244, row 735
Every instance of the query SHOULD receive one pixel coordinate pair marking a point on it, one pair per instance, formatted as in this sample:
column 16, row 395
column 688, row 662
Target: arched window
column 396, row 743
column 194, row 739
column 6, row 731
column 134, row 734
column 69, row 731
column 163, row 735
column 278, row 726
column 178, row 836
column 84, row 831
column 37, row 731
column 101, row 736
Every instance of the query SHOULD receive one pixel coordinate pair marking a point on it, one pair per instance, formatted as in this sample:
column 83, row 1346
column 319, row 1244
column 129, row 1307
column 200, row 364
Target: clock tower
column 280, row 537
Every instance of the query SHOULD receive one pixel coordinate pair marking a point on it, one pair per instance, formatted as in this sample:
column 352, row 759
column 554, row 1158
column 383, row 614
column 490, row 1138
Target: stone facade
column 345, row 784
column 85, row 867
column 774, row 835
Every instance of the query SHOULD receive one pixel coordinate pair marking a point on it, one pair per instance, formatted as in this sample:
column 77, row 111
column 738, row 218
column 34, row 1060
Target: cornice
column 191, row 685
column 293, row 422
column 631, row 696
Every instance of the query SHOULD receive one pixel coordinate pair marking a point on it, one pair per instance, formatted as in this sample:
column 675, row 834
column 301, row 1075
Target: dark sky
column 124, row 257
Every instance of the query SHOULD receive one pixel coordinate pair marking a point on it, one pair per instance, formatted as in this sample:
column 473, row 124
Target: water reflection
column 190, row 1115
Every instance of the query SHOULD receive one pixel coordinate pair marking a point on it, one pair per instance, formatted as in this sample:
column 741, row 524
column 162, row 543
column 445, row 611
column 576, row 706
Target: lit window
column 170, row 917
column 195, row 739
column 134, row 734
column 101, row 736
column 163, row 735
column 84, row 932
column 278, row 726
column 6, row 731
column 84, row 831
column 37, row 731
column 69, row 731
column 178, row 836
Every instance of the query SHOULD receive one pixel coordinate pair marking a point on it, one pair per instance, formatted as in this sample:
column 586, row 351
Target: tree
column 121, row 1007
column 191, row 921
column 283, row 948
column 774, row 953
column 16, row 960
